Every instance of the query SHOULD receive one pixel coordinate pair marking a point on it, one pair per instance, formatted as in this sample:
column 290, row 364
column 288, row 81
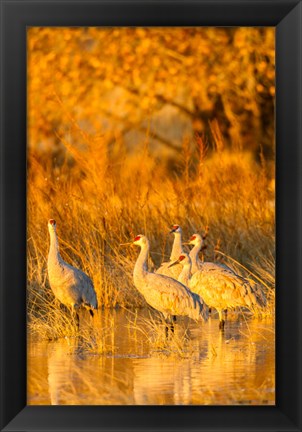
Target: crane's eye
column 182, row 257
column 193, row 237
column 137, row 238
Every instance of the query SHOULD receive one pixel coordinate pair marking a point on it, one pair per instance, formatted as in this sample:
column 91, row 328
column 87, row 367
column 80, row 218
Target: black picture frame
column 16, row 16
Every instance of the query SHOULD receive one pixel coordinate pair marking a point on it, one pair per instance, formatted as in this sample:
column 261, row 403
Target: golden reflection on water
column 199, row 365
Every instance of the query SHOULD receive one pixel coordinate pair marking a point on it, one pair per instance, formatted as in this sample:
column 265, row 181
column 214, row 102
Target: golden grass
column 101, row 197
column 160, row 338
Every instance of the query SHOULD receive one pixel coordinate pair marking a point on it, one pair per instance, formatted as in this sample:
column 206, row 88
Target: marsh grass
column 47, row 318
column 101, row 197
column 97, row 339
column 158, row 335
column 239, row 395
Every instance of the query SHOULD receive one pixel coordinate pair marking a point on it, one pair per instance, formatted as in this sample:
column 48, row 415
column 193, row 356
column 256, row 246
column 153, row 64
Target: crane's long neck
column 140, row 268
column 194, row 257
column 185, row 274
column 54, row 254
column 177, row 247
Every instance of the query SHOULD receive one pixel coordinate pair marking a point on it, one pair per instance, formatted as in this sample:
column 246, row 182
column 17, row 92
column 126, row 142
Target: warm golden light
column 132, row 130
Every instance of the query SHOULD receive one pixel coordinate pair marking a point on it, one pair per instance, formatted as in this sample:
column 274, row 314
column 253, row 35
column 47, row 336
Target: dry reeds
column 100, row 199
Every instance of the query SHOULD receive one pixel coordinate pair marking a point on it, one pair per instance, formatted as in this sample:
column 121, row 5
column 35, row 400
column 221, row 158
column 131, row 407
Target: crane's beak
column 172, row 231
column 173, row 264
column 186, row 243
column 126, row 244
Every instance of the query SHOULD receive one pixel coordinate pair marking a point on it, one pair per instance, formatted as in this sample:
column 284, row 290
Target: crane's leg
column 225, row 314
column 166, row 317
column 169, row 325
column 77, row 318
column 167, row 331
column 172, row 326
column 88, row 307
column 75, row 313
column 221, row 320
column 210, row 310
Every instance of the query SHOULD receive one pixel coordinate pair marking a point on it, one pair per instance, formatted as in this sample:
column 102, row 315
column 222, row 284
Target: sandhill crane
column 220, row 287
column 177, row 249
column 186, row 264
column 71, row 286
column 198, row 242
column 163, row 293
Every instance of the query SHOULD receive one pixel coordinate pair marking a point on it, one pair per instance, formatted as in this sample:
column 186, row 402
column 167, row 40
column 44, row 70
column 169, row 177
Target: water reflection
column 204, row 367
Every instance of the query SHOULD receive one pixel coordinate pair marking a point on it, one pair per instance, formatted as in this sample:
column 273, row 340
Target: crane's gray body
column 71, row 286
column 221, row 288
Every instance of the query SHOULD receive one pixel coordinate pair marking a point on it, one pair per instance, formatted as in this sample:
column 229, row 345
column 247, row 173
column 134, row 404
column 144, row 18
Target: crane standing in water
column 198, row 242
column 71, row 286
column 219, row 287
column 163, row 293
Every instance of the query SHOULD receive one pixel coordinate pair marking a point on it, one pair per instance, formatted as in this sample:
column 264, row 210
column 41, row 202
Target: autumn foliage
column 114, row 79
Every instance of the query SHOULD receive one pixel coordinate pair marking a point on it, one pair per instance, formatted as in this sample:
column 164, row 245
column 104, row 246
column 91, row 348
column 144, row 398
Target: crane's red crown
column 182, row 257
column 175, row 227
column 137, row 238
column 52, row 222
column 193, row 237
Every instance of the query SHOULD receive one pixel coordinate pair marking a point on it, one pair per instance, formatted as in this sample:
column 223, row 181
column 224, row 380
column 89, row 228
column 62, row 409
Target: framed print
column 151, row 215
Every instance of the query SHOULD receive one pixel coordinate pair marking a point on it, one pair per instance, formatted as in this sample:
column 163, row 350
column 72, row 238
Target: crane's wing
column 258, row 292
column 207, row 266
column 80, row 283
column 170, row 296
column 172, row 272
column 88, row 293
column 224, row 288
column 167, row 285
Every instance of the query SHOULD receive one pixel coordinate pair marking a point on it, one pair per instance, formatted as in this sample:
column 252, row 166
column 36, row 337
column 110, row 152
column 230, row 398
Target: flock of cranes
column 183, row 286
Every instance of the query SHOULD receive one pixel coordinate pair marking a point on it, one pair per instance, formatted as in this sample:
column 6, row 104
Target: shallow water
column 132, row 362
